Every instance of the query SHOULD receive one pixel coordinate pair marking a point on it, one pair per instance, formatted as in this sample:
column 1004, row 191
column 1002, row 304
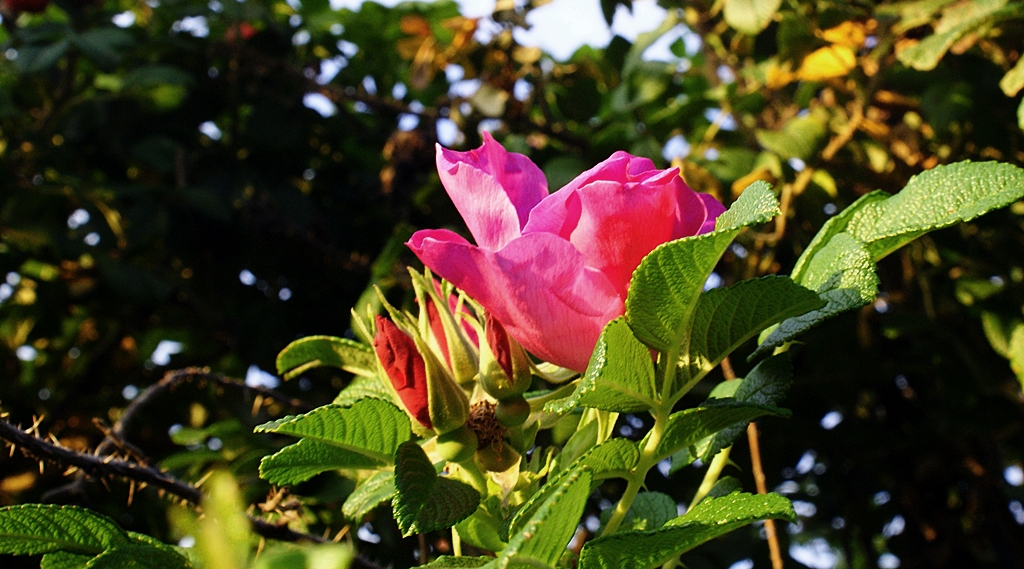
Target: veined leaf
column 365, row 435
column 370, row 493
column 362, row 387
column 711, row 518
column 33, row 529
column 64, row 560
column 766, row 385
column 801, row 137
column 132, row 557
column 664, row 289
column 370, row 427
column 425, row 501
column 319, row 351
column 620, row 376
column 687, row 427
column 543, row 538
column 727, row 317
column 937, row 198
column 843, row 274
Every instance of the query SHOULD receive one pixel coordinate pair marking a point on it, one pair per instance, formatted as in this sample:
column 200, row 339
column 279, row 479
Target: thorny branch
column 100, row 464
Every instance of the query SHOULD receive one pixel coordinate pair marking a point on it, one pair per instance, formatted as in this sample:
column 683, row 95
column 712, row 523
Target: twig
column 769, row 525
column 173, row 378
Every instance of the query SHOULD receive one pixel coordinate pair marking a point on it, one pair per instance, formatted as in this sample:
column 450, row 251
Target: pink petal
column 714, row 209
column 538, row 286
column 494, row 190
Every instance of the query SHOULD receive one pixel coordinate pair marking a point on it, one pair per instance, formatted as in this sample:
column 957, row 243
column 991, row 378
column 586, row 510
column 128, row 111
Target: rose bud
column 427, row 392
column 442, row 331
column 504, row 365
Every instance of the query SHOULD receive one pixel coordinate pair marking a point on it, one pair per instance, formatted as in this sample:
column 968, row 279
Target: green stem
column 649, row 454
column 456, row 543
column 711, row 476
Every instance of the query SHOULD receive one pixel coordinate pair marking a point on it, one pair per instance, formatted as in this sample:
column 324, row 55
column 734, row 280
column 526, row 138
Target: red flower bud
column 405, row 367
column 497, row 339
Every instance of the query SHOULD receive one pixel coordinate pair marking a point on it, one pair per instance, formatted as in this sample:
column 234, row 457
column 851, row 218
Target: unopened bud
column 504, row 365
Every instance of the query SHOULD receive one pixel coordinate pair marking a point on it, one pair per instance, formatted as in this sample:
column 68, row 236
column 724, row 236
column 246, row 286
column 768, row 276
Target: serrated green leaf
column 711, row 518
column 370, row 427
column 614, row 458
column 727, row 317
column 843, row 274
column 141, row 557
column 305, row 459
column 687, row 427
column 319, row 351
column 425, row 501
column 362, row 387
column 449, row 562
column 370, row 493
column 664, row 289
column 650, row 510
column 801, row 138
column 543, row 538
column 64, row 560
column 34, row 529
column 937, row 198
column 620, row 376
column 750, row 16
column 766, row 385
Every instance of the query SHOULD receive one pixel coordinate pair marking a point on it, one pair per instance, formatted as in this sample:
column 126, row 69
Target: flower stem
column 648, row 458
column 711, row 476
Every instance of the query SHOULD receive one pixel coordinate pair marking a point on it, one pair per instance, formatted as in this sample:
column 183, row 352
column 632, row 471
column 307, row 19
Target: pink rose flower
column 555, row 268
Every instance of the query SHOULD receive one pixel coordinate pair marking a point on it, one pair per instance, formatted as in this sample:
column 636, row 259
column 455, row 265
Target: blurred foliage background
column 199, row 182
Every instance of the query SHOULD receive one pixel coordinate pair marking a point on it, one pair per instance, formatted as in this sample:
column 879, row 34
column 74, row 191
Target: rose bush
column 555, row 268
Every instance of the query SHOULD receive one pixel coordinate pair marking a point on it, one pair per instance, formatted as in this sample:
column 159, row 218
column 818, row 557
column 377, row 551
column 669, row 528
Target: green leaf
column 936, row 198
column 362, row 387
column 801, row 137
column 844, row 276
column 130, row 557
column 620, row 376
column 765, row 385
column 365, row 435
column 319, row 351
column 610, row 459
column 33, row 59
column 750, row 16
column 34, row 529
column 370, row 427
column 665, row 287
column 64, row 560
column 711, row 518
column 543, row 538
column 103, row 45
column 482, row 529
column 727, row 317
column 449, row 562
column 305, row 459
column 370, row 493
column 650, row 510
column 687, row 427
column 425, row 501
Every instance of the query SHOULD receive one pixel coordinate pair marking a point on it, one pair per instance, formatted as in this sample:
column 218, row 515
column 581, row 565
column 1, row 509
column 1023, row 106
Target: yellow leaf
column 827, row 62
column 850, row 34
